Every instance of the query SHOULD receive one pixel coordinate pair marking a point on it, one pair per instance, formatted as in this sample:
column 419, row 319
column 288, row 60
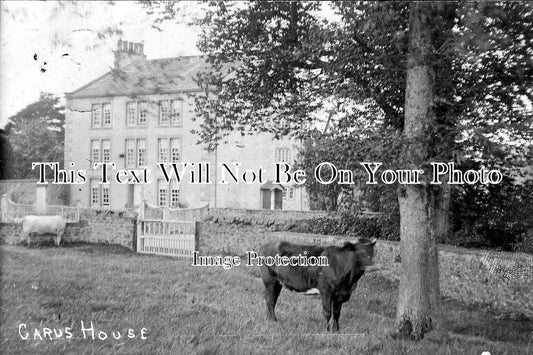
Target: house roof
column 147, row 77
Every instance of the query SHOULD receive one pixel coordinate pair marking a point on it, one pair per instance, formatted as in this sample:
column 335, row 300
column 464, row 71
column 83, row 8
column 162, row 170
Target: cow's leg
column 337, row 305
column 326, row 308
column 272, row 291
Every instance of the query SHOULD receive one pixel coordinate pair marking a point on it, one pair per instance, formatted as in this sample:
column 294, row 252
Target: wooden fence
column 171, row 238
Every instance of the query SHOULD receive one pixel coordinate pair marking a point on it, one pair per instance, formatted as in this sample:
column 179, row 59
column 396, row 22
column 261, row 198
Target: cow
column 335, row 282
column 44, row 225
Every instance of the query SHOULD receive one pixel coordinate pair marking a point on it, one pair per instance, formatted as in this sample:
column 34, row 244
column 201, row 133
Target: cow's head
column 365, row 252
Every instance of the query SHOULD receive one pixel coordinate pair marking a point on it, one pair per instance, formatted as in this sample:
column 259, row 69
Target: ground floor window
column 99, row 194
column 168, row 194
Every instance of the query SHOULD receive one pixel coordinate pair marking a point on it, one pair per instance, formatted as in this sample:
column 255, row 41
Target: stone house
column 140, row 114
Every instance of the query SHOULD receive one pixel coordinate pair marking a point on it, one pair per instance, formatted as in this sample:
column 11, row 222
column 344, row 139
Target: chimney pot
column 119, row 44
column 125, row 46
column 131, row 47
column 141, row 48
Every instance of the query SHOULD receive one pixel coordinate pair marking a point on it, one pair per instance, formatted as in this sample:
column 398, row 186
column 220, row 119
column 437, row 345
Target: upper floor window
column 175, row 111
column 169, row 150
column 282, row 155
column 135, row 153
column 164, row 112
column 130, row 153
column 101, row 115
column 100, row 150
column 106, row 108
column 136, row 113
column 170, row 112
column 106, row 150
column 95, row 115
column 143, row 112
column 95, row 151
column 163, row 150
column 141, row 152
column 175, row 150
column 131, row 114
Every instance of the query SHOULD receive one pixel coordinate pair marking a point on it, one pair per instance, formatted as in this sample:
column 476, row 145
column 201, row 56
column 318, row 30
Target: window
column 291, row 192
column 175, row 150
column 130, row 153
column 99, row 194
column 168, row 150
column 106, row 108
column 175, row 111
column 95, row 152
column 162, row 188
column 163, row 150
column 164, row 112
column 174, row 194
column 100, row 151
column 167, row 196
column 101, row 115
column 95, row 115
column 141, row 152
column 106, row 150
column 135, row 153
column 131, row 114
column 143, row 112
column 95, row 193
column 170, row 112
column 105, row 195
column 282, row 155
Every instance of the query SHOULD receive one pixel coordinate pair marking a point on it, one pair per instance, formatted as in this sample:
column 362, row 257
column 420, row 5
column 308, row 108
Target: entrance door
column 265, row 194
column 278, row 199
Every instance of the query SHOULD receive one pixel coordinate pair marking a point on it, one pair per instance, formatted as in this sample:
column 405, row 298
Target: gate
column 171, row 238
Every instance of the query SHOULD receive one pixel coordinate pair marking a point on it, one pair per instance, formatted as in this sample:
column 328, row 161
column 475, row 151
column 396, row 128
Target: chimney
column 128, row 52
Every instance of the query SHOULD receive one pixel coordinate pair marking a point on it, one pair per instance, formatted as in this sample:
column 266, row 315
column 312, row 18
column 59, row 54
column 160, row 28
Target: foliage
column 5, row 156
column 494, row 216
column 36, row 134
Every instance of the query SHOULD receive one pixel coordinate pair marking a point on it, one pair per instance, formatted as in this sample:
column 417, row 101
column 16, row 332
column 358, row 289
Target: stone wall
column 95, row 226
column 503, row 281
column 274, row 219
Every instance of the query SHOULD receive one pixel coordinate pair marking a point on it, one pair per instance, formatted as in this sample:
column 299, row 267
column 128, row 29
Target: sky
column 65, row 37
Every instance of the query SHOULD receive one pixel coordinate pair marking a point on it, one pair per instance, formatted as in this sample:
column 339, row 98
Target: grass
column 200, row 310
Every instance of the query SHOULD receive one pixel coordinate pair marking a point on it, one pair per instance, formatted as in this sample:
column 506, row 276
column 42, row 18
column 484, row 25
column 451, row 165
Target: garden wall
column 95, row 226
column 503, row 281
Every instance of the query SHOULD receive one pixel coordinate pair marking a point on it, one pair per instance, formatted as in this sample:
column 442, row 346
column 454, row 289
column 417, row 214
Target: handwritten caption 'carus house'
column 231, row 173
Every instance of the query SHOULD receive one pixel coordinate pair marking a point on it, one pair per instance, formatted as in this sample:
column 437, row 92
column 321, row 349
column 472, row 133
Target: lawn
column 204, row 310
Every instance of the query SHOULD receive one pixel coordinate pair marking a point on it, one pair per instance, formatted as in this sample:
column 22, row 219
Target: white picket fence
column 171, row 238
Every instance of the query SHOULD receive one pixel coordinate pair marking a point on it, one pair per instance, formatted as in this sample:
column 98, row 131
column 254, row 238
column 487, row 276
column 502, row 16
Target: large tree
column 36, row 134
column 445, row 81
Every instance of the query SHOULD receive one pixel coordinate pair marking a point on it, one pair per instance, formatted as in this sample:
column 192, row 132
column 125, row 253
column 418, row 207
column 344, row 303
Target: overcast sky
column 65, row 37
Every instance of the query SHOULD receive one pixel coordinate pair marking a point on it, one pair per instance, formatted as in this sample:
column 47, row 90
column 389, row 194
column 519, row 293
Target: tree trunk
column 419, row 309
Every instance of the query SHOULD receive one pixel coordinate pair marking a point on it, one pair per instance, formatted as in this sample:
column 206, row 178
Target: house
column 140, row 114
